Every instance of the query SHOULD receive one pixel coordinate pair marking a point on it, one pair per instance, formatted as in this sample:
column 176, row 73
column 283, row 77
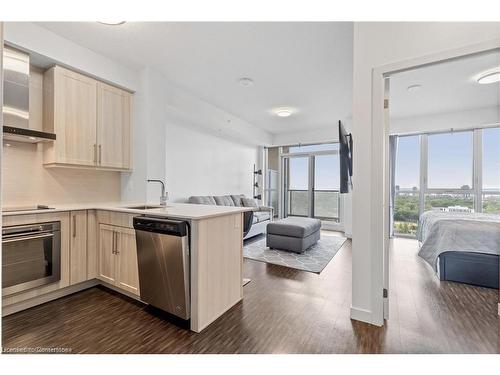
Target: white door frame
column 380, row 161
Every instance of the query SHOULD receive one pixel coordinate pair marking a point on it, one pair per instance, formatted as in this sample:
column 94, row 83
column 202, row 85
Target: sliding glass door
column 311, row 184
column 297, row 187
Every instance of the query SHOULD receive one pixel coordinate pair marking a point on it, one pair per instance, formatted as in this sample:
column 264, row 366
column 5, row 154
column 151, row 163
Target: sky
column 327, row 169
column 450, row 160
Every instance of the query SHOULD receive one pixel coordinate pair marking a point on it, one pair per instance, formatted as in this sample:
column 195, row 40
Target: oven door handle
column 23, row 238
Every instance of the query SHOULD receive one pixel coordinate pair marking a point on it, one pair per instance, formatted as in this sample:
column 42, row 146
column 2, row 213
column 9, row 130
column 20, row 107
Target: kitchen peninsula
column 87, row 257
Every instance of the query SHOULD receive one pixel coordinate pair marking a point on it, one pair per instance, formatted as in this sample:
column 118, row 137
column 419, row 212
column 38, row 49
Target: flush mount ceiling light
column 111, row 23
column 490, row 76
column 283, row 111
column 245, row 81
column 414, row 88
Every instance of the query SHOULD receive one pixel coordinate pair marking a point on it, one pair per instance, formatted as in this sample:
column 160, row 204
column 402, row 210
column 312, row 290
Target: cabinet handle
column 95, row 153
column 74, row 226
column 99, row 154
column 116, row 244
column 113, row 245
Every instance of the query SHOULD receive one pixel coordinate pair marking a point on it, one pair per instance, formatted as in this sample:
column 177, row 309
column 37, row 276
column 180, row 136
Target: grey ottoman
column 295, row 234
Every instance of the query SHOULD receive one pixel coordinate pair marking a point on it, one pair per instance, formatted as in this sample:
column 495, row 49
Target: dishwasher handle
column 160, row 225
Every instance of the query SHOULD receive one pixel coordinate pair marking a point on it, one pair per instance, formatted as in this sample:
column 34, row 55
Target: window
column 491, row 171
column 407, row 179
column 450, row 161
column 326, row 186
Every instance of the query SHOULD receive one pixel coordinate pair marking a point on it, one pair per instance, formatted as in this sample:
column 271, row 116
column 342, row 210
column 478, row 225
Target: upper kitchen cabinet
column 91, row 120
column 113, row 126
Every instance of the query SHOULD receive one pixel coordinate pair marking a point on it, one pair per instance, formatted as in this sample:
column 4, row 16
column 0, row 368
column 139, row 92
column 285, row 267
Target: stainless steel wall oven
column 31, row 256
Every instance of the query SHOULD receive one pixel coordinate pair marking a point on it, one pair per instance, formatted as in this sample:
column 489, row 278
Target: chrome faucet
column 164, row 195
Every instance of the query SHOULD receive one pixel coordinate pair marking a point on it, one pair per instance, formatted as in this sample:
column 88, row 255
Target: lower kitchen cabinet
column 118, row 257
column 78, row 247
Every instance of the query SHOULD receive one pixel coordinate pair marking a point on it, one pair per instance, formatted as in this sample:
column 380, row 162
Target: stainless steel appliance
column 16, row 111
column 163, row 257
column 31, row 256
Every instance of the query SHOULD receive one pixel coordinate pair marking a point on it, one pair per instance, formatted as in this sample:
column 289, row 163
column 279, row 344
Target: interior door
column 297, row 186
column 76, row 117
column 127, row 275
column 107, row 258
column 113, row 127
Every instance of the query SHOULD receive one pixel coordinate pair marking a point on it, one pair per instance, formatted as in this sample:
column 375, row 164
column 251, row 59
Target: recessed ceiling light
column 284, row 111
column 8, row 144
column 414, row 88
column 490, row 76
column 112, row 23
column 245, row 81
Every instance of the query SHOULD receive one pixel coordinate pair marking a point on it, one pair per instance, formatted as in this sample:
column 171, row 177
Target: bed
column 462, row 247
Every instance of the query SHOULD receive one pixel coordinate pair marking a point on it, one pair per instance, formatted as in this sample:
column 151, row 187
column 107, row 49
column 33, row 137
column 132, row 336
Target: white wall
column 198, row 148
column 199, row 163
column 377, row 44
column 474, row 118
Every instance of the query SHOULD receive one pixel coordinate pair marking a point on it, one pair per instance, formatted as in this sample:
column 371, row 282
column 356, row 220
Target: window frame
column 476, row 190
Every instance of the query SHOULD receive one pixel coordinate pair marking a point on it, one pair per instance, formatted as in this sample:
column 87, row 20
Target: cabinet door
column 78, row 247
column 113, row 127
column 107, row 257
column 127, row 275
column 75, row 118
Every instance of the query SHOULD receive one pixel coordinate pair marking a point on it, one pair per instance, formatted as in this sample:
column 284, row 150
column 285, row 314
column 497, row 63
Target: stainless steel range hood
column 16, row 99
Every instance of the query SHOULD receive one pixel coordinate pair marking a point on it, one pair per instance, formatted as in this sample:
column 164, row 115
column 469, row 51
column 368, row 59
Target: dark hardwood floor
column 283, row 311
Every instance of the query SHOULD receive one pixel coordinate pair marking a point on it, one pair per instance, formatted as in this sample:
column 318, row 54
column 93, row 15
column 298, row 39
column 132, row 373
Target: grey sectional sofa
column 262, row 215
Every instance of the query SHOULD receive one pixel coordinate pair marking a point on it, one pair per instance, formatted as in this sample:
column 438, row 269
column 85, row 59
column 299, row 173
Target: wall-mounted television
column 345, row 158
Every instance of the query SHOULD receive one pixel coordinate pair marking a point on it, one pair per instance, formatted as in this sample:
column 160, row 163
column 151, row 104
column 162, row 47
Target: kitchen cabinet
column 118, row 257
column 113, row 127
column 91, row 120
column 70, row 110
column 78, row 246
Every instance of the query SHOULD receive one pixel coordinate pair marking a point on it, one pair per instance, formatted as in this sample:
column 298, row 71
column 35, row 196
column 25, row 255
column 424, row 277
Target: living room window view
column 250, row 187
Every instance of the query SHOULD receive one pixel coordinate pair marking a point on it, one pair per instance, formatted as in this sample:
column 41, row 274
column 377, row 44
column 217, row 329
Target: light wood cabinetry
column 127, row 271
column 92, row 122
column 78, row 246
column 107, row 260
column 113, row 127
column 70, row 110
column 118, row 257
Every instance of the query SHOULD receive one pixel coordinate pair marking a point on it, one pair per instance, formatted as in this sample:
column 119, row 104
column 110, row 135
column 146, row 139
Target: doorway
column 448, row 153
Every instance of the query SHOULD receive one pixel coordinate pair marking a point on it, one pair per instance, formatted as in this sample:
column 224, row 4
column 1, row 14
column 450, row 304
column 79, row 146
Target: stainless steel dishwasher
column 163, row 258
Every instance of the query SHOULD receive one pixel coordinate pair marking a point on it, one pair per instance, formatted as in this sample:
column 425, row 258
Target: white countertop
column 173, row 210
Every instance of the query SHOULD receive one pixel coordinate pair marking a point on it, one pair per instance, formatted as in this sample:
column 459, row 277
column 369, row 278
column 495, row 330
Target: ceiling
column 307, row 66
column 446, row 87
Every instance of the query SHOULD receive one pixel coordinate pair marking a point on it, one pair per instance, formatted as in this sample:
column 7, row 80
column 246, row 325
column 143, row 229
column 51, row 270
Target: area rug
column 314, row 259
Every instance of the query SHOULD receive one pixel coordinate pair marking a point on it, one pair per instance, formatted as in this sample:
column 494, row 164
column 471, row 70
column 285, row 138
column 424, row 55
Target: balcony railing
column 326, row 204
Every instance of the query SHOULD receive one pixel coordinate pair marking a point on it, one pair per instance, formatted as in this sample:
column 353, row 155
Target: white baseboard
column 361, row 315
column 23, row 305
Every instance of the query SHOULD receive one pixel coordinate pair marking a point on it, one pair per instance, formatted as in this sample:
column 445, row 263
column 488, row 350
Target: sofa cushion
column 202, row 199
column 237, row 199
column 249, row 202
column 224, row 200
column 261, row 216
column 294, row 227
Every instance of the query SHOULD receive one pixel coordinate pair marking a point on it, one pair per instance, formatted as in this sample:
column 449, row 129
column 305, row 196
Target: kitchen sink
column 145, row 207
